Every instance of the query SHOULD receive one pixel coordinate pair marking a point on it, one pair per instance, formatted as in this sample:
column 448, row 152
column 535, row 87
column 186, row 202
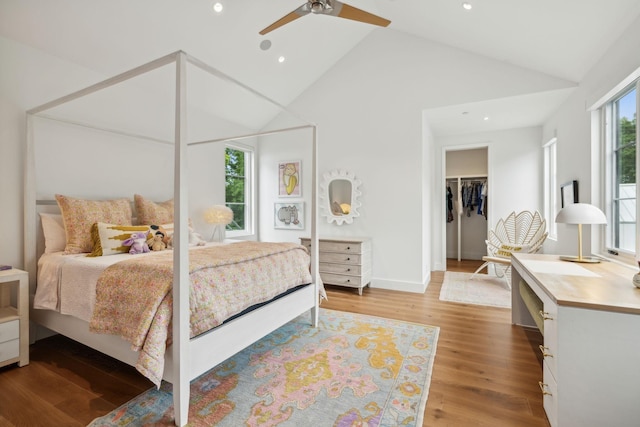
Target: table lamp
column 219, row 216
column 580, row 213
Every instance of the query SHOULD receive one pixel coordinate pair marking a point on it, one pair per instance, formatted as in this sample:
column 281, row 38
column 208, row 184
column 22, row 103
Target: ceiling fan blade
column 343, row 10
column 299, row 12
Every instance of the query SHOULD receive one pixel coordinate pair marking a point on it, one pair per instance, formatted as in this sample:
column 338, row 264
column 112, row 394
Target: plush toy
column 156, row 242
column 158, row 229
column 138, row 243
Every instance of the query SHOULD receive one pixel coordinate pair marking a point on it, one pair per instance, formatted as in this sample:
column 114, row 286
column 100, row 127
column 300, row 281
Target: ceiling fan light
column 217, row 7
column 317, row 7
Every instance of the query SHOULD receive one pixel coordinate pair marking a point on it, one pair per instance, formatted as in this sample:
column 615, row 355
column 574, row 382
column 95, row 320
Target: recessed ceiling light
column 281, row 59
column 467, row 5
column 486, row 118
column 217, row 7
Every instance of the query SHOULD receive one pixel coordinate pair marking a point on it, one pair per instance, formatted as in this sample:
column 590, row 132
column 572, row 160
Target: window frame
column 609, row 125
column 550, row 173
column 249, row 191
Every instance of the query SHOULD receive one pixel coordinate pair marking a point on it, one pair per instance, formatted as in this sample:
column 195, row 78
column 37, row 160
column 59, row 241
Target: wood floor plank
column 486, row 370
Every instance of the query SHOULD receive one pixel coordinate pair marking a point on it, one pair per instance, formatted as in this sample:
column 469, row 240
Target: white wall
column 572, row 125
column 368, row 109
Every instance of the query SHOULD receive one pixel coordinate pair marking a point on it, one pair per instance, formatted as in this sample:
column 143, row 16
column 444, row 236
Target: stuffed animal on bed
column 156, row 242
column 138, row 243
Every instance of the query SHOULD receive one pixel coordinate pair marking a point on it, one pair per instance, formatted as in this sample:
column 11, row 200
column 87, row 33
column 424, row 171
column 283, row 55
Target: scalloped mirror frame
column 325, row 197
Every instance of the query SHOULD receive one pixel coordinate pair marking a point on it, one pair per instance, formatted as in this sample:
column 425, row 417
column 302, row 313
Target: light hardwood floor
column 486, row 370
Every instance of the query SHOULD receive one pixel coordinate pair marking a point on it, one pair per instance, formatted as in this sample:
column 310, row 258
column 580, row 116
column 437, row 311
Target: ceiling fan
column 328, row 7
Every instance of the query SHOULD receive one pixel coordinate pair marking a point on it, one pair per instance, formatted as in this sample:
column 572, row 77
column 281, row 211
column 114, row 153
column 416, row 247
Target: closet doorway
column 467, row 190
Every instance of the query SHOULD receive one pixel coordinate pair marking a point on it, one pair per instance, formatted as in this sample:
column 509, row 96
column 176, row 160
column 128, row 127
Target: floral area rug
column 483, row 289
column 350, row 370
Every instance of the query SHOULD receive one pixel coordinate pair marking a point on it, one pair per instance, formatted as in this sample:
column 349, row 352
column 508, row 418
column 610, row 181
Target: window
column 622, row 181
column 550, row 187
column 238, row 188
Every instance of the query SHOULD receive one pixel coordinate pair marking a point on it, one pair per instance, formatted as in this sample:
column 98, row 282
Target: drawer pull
column 348, row 269
column 545, row 315
column 348, row 248
column 543, row 388
column 543, row 350
column 348, row 259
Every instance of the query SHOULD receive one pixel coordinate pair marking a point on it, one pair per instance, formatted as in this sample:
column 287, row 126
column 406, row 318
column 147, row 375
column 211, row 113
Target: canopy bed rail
column 187, row 357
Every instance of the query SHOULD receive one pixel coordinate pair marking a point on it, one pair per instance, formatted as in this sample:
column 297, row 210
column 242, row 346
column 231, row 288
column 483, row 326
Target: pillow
column 79, row 215
column 55, row 239
column 107, row 238
column 149, row 212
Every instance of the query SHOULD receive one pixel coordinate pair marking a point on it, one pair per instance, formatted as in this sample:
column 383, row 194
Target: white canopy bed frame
column 186, row 358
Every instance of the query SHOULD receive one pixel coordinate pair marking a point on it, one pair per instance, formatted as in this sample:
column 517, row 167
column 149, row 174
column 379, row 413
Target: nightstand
column 14, row 318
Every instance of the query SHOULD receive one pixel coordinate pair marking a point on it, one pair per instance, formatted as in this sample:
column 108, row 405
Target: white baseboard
column 403, row 286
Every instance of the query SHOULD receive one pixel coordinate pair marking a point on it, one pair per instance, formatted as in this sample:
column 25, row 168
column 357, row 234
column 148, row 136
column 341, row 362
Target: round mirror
column 339, row 196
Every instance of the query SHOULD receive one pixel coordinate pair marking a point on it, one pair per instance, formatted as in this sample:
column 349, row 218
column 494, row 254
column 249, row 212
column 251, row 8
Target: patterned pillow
column 79, row 215
column 149, row 212
column 107, row 238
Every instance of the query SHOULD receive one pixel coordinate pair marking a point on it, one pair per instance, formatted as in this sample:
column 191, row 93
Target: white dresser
column 589, row 315
column 344, row 261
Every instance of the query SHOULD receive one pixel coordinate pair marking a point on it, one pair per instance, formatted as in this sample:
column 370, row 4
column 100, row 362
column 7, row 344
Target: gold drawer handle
column 543, row 388
column 545, row 315
column 543, row 350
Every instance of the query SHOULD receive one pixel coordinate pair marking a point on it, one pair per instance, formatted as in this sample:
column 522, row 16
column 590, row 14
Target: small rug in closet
column 351, row 370
column 483, row 289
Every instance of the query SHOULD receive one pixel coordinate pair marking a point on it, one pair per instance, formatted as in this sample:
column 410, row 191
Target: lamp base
column 590, row 260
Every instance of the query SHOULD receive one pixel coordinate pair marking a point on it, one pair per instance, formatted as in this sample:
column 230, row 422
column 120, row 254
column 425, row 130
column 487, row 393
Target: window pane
column 237, row 187
column 624, row 171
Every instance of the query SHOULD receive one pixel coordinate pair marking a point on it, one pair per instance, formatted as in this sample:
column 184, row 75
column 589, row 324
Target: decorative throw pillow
column 107, row 238
column 79, row 215
column 55, row 239
column 149, row 212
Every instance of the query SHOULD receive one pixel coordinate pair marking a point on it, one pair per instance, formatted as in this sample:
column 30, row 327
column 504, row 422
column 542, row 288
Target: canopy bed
column 135, row 114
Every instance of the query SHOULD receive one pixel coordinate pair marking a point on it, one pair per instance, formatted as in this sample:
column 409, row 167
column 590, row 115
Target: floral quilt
column 134, row 298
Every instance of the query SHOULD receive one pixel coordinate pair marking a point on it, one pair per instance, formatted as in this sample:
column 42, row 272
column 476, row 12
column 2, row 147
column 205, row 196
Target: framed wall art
column 569, row 193
column 289, row 178
column 289, row 216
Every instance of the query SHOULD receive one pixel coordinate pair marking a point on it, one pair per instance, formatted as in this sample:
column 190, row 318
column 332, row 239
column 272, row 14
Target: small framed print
column 289, row 178
column 289, row 216
column 569, row 193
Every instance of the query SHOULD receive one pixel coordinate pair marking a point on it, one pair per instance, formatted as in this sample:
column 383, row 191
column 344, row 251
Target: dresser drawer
column 353, row 259
column 9, row 331
column 342, row 247
column 344, row 280
column 354, row 270
column 549, row 315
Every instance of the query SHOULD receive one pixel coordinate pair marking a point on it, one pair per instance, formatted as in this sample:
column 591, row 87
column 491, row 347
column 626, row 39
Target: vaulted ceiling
column 561, row 38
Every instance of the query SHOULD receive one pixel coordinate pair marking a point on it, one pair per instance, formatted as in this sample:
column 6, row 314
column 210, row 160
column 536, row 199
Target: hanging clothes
column 449, row 204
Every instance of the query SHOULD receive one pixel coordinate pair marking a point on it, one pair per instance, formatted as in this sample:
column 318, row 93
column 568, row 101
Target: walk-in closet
column 467, row 197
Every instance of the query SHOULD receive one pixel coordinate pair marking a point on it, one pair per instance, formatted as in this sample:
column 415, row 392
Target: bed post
column 315, row 276
column 181, row 286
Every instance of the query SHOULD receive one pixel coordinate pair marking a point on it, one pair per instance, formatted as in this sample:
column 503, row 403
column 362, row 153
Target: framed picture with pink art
column 289, row 178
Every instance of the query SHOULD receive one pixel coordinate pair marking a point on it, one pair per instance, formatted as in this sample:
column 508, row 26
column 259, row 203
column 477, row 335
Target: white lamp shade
column 581, row 213
column 218, row 214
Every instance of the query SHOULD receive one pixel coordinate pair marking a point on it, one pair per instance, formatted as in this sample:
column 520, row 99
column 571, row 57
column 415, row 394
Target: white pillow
column 55, row 238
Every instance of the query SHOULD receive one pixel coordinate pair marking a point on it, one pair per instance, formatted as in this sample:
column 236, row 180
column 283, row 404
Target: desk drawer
column 549, row 389
column 353, row 270
column 9, row 331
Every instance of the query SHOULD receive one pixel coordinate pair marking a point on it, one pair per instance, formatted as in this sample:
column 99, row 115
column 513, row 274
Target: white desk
column 591, row 352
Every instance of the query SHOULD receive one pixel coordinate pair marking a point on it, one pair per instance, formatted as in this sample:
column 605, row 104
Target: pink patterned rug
column 351, row 370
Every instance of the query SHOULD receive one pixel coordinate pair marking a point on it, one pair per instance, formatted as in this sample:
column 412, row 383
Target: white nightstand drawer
column 9, row 331
column 354, row 270
column 9, row 350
